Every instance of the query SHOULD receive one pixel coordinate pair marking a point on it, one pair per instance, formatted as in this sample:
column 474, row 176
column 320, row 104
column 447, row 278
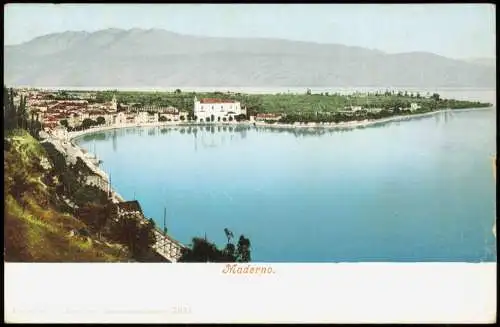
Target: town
column 64, row 110
column 61, row 113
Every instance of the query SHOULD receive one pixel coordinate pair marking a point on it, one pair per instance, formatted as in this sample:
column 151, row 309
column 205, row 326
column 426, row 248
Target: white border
column 293, row 293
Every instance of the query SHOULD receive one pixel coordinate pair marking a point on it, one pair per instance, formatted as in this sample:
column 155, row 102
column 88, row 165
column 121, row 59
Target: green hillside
column 37, row 227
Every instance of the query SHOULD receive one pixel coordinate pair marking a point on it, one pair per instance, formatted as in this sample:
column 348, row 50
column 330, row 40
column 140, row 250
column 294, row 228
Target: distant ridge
column 160, row 58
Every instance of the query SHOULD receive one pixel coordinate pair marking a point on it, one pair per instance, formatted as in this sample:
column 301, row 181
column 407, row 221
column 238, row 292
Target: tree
column 32, row 121
column 87, row 122
column 229, row 234
column 100, row 120
column 240, row 117
column 224, row 119
column 10, row 115
column 22, row 114
column 182, row 118
column 243, row 250
column 212, row 118
column 230, row 252
column 202, row 250
column 162, row 118
column 308, row 92
column 178, row 91
column 64, row 122
column 435, row 96
column 230, row 118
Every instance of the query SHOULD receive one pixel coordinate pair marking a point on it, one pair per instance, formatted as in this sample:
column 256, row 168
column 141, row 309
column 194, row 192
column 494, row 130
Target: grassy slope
column 35, row 230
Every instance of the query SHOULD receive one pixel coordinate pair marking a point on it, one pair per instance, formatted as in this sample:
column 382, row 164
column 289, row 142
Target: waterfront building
column 153, row 118
column 141, row 117
column 158, row 109
column 414, row 106
column 216, row 110
column 120, row 118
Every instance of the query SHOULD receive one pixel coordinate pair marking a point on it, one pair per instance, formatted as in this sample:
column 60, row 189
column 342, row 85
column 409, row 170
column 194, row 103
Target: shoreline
column 117, row 198
column 342, row 125
column 363, row 123
column 73, row 151
column 72, row 136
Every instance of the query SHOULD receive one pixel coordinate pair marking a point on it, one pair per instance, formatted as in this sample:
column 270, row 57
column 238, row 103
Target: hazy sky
column 452, row 30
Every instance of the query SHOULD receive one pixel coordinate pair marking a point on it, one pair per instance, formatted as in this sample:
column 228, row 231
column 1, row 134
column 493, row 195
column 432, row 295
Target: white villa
column 414, row 106
column 216, row 110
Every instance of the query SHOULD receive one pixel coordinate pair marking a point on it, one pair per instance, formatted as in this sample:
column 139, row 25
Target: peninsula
column 63, row 111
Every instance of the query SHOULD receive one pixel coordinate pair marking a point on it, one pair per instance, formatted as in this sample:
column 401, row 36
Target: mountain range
column 160, row 58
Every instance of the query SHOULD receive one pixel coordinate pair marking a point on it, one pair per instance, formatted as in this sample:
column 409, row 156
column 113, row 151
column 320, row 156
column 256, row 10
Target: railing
column 167, row 247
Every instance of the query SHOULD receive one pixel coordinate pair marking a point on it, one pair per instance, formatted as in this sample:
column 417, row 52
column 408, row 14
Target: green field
column 290, row 103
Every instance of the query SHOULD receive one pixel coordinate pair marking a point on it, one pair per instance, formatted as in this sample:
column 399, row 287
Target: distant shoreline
column 258, row 89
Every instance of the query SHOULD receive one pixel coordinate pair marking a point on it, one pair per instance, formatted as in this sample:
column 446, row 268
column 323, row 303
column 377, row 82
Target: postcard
column 290, row 152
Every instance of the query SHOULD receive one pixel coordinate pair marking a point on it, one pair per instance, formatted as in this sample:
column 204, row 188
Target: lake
column 410, row 191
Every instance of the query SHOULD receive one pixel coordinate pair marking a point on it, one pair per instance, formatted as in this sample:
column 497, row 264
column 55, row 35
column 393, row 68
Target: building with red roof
column 217, row 110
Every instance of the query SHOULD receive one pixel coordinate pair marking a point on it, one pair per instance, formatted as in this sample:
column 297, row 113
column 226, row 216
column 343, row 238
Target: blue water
column 417, row 190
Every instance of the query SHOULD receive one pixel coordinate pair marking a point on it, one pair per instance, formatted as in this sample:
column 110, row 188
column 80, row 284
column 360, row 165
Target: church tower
column 114, row 103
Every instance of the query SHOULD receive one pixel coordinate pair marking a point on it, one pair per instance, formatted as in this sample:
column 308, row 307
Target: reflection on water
column 208, row 136
column 115, row 138
column 443, row 117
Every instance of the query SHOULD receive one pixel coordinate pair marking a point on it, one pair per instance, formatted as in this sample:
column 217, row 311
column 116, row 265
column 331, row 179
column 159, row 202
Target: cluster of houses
column 51, row 112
